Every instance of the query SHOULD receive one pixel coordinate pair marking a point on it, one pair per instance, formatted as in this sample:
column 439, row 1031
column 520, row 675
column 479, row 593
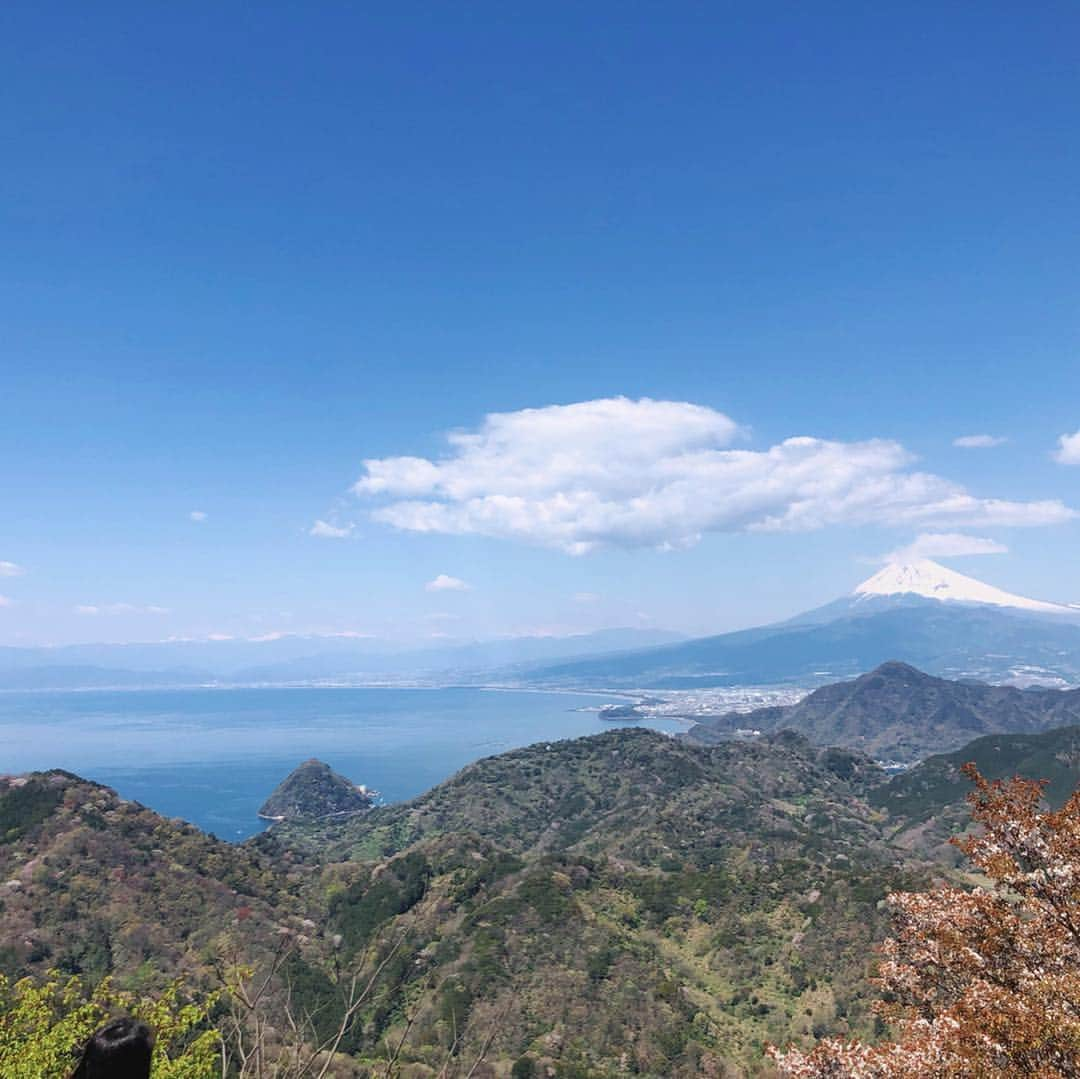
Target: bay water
column 212, row 756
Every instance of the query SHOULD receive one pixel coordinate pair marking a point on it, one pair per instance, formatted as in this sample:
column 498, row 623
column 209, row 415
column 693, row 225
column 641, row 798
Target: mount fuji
column 920, row 613
column 933, row 581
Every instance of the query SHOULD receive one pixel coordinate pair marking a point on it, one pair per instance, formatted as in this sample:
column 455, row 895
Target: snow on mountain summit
column 929, row 579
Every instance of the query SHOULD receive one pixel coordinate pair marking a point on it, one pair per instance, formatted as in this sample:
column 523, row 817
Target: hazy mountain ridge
column 295, row 659
column 989, row 639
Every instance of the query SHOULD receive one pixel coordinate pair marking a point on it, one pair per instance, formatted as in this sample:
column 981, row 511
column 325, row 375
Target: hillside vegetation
column 91, row 884
column 621, row 904
column 896, row 712
column 624, row 902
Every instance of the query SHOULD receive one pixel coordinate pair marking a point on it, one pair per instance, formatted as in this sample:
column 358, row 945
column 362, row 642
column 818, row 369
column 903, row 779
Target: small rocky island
column 315, row 790
column 620, row 712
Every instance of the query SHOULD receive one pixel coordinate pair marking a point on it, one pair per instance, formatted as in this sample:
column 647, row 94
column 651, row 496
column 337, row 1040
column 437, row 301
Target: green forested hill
column 91, row 884
column 937, row 783
column 926, row 804
column 900, row 713
column 630, row 793
column 621, row 904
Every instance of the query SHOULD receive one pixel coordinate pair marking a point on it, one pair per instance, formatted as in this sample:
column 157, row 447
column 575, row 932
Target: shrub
column 44, row 1024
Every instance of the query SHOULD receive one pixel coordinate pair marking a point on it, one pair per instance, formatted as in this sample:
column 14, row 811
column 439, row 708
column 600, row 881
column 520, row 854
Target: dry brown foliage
column 983, row 983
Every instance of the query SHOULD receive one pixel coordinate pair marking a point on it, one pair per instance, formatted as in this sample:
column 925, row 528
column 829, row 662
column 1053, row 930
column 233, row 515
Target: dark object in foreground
column 119, row 1050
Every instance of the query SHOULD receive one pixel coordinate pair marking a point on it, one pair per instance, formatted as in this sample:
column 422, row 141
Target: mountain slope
column 926, row 804
column 924, row 615
column 936, row 784
column 629, row 791
column 621, row 904
column 974, row 642
column 900, row 713
column 624, row 902
column 93, row 884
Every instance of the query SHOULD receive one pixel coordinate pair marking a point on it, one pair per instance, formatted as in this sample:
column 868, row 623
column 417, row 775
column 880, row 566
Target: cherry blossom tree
column 983, row 982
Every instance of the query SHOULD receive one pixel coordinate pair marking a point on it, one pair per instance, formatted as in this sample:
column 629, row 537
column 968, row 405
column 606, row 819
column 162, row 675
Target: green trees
column 44, row 1023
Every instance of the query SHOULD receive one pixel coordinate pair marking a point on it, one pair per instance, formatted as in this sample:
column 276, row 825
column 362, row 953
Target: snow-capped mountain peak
column 934, row 581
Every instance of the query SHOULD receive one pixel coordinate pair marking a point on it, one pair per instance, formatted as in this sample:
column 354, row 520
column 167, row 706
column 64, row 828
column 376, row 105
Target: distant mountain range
column 899, row 713
column 920, row 613
column 289, row 659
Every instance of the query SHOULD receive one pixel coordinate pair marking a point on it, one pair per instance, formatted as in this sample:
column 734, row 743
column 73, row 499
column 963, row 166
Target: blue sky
column 247, row 250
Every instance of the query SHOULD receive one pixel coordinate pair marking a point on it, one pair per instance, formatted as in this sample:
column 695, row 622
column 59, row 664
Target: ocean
column 211, row 756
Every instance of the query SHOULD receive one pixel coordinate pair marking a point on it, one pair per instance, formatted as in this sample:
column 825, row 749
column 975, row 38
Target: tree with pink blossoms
column 985, row 982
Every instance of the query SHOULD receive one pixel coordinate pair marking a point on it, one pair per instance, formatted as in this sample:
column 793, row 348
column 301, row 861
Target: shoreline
column 224, row 687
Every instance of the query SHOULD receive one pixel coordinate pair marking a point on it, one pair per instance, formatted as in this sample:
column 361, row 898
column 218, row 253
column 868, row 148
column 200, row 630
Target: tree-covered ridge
column 593, row 966
column 896, row 712
column 633, row 794
column 926, row 804
column 939, row 783
column 91, row 884
column 621, row 904
column 621, row 901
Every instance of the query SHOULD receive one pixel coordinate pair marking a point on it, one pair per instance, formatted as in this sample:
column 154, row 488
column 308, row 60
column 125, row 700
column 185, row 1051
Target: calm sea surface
column 212, row 756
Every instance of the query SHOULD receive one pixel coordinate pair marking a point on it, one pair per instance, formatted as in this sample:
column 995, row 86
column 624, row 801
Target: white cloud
column 979, row 442
column 945, row 545
column 119, row 608
column 326, row 530
column 645, row 473
column 11, row 569
column 1068, row 451
column 586, row 597
column 198, row 516
column 5, row 601
column 446, row 583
